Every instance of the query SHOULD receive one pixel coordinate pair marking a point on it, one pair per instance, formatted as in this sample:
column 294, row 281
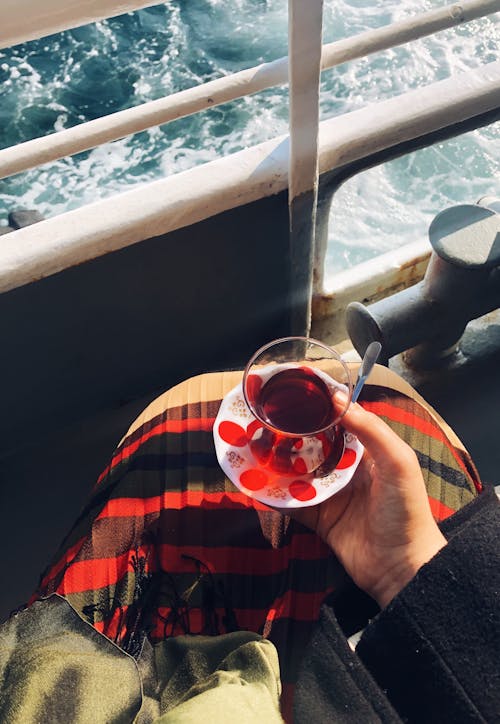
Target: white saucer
column 231, row 437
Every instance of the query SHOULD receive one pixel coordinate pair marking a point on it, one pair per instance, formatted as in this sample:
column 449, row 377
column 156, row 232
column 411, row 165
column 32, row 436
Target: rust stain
column 409, row 273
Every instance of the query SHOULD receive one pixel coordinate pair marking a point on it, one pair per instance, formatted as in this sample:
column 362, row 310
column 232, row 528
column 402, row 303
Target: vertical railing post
column 304, row 53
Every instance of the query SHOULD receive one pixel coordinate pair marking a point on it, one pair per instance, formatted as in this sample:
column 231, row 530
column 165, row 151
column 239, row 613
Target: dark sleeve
column 334, row 686
column 435, row 649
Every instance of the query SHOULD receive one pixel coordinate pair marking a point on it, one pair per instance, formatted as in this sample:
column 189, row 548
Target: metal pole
column 304, row 53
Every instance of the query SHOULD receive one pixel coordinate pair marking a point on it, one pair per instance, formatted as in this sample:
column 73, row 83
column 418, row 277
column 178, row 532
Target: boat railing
column 161, row 206
column 347, row 144
column 114, row 126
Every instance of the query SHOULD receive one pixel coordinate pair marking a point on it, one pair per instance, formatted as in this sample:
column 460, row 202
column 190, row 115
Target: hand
column 380, row 525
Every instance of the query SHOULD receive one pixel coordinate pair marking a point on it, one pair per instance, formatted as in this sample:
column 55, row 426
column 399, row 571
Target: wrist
column 405, row 567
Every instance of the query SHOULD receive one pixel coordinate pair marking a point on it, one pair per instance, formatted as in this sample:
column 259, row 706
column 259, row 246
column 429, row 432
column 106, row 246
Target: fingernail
column 340, row 397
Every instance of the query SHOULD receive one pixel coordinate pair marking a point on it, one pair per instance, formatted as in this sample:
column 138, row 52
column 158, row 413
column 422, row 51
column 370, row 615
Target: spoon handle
column 369, row 359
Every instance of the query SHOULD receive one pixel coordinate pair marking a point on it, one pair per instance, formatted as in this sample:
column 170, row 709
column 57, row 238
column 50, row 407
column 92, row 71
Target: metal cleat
column 461, row 283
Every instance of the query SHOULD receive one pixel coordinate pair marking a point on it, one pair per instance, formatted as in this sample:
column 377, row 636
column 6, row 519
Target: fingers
column 381, row 443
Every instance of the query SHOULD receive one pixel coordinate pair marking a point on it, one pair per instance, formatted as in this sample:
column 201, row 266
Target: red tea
column 296, row 400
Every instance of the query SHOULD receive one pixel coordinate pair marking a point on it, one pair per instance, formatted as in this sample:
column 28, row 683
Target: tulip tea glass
column 288, row 386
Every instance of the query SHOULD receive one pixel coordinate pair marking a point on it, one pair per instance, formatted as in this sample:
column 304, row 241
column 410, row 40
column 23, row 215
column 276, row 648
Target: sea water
column 74, row 76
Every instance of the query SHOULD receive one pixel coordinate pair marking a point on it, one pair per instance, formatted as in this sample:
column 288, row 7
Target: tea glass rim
column 314, row 341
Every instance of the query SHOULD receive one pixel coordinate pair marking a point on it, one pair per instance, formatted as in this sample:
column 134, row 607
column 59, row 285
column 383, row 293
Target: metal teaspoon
column 370, row 357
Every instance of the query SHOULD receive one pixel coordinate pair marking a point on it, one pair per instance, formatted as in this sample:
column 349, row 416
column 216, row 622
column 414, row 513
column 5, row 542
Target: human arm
column 431, row 656
column 380, row 526
column 432, row 652
column 435, row 649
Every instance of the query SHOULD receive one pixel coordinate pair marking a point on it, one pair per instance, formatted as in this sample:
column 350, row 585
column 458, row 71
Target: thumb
column 381, row 443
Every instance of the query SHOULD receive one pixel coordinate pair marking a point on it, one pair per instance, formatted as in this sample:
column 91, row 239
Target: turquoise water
column 78, row 75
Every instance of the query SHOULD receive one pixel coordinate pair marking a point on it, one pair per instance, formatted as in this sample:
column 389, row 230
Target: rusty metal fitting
column 461, row 283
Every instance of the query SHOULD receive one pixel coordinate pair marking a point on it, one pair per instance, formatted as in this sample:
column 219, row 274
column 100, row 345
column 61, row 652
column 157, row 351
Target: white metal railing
column 133, row 120
column 24, row 20
column 305, row 33
column 305, row 50
column 159, row 207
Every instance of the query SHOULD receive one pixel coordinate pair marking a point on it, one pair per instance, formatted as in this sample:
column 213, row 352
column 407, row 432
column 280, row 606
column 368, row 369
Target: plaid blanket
column 166, row 545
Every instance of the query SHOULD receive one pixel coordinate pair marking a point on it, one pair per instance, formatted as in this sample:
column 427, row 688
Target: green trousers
column 55, row 667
